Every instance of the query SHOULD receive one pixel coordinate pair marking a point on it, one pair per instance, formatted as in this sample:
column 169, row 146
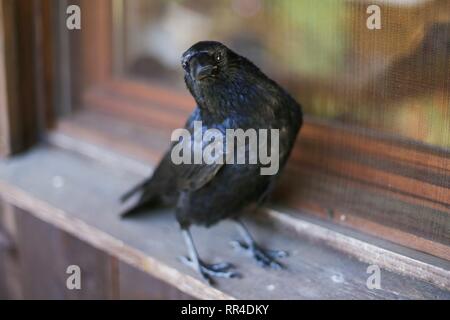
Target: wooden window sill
column 327, row 261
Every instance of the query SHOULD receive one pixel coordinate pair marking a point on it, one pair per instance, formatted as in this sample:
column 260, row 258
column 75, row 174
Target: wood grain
column 138, row 285
column 9, row 262
column 45, row 254
column 96, row 35
column 335, row 168
column 25, row 67
column 9, row 138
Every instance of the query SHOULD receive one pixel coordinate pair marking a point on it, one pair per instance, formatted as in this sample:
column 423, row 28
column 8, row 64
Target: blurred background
column 395, row 80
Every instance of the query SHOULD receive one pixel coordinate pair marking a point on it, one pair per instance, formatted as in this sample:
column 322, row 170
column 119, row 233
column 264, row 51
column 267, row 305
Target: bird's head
column 208, row 62
column 221, row 81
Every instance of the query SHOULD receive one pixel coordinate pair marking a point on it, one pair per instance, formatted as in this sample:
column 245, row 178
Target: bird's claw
column 264, row 257
column 209, row 271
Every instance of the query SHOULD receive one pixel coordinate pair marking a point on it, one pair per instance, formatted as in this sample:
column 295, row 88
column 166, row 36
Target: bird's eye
column 184, row 64
column 218, row 56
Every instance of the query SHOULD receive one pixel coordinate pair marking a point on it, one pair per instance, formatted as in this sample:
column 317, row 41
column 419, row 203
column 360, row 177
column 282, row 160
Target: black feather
column 239, row 95
column 231, row 93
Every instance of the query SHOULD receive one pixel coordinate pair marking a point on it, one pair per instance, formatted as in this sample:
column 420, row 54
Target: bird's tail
column 139, row 197
column 137, row 188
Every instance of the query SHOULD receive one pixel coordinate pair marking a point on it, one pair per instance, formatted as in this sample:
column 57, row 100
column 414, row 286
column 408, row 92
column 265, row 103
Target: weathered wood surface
column 9, row 126
column 9, row 259
column 372, row 250
column 79, row 195
column 25, row 271
column 45, row 252
column 136, row 284
column 369, row 249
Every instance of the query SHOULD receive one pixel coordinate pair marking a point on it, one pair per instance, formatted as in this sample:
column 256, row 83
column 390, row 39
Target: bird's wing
column 169, row 178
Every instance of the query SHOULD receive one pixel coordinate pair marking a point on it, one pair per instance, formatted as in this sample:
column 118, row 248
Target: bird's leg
column 264, row 257
column 207, row 271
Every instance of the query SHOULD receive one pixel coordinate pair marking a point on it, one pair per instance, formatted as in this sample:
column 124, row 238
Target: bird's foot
column 209, row 271
column 264, row 257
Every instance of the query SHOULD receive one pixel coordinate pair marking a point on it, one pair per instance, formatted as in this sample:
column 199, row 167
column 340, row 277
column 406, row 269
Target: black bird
column 231, row 93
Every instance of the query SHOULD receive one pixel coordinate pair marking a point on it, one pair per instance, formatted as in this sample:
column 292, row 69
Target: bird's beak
column 202, row 67
column 202, row 72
